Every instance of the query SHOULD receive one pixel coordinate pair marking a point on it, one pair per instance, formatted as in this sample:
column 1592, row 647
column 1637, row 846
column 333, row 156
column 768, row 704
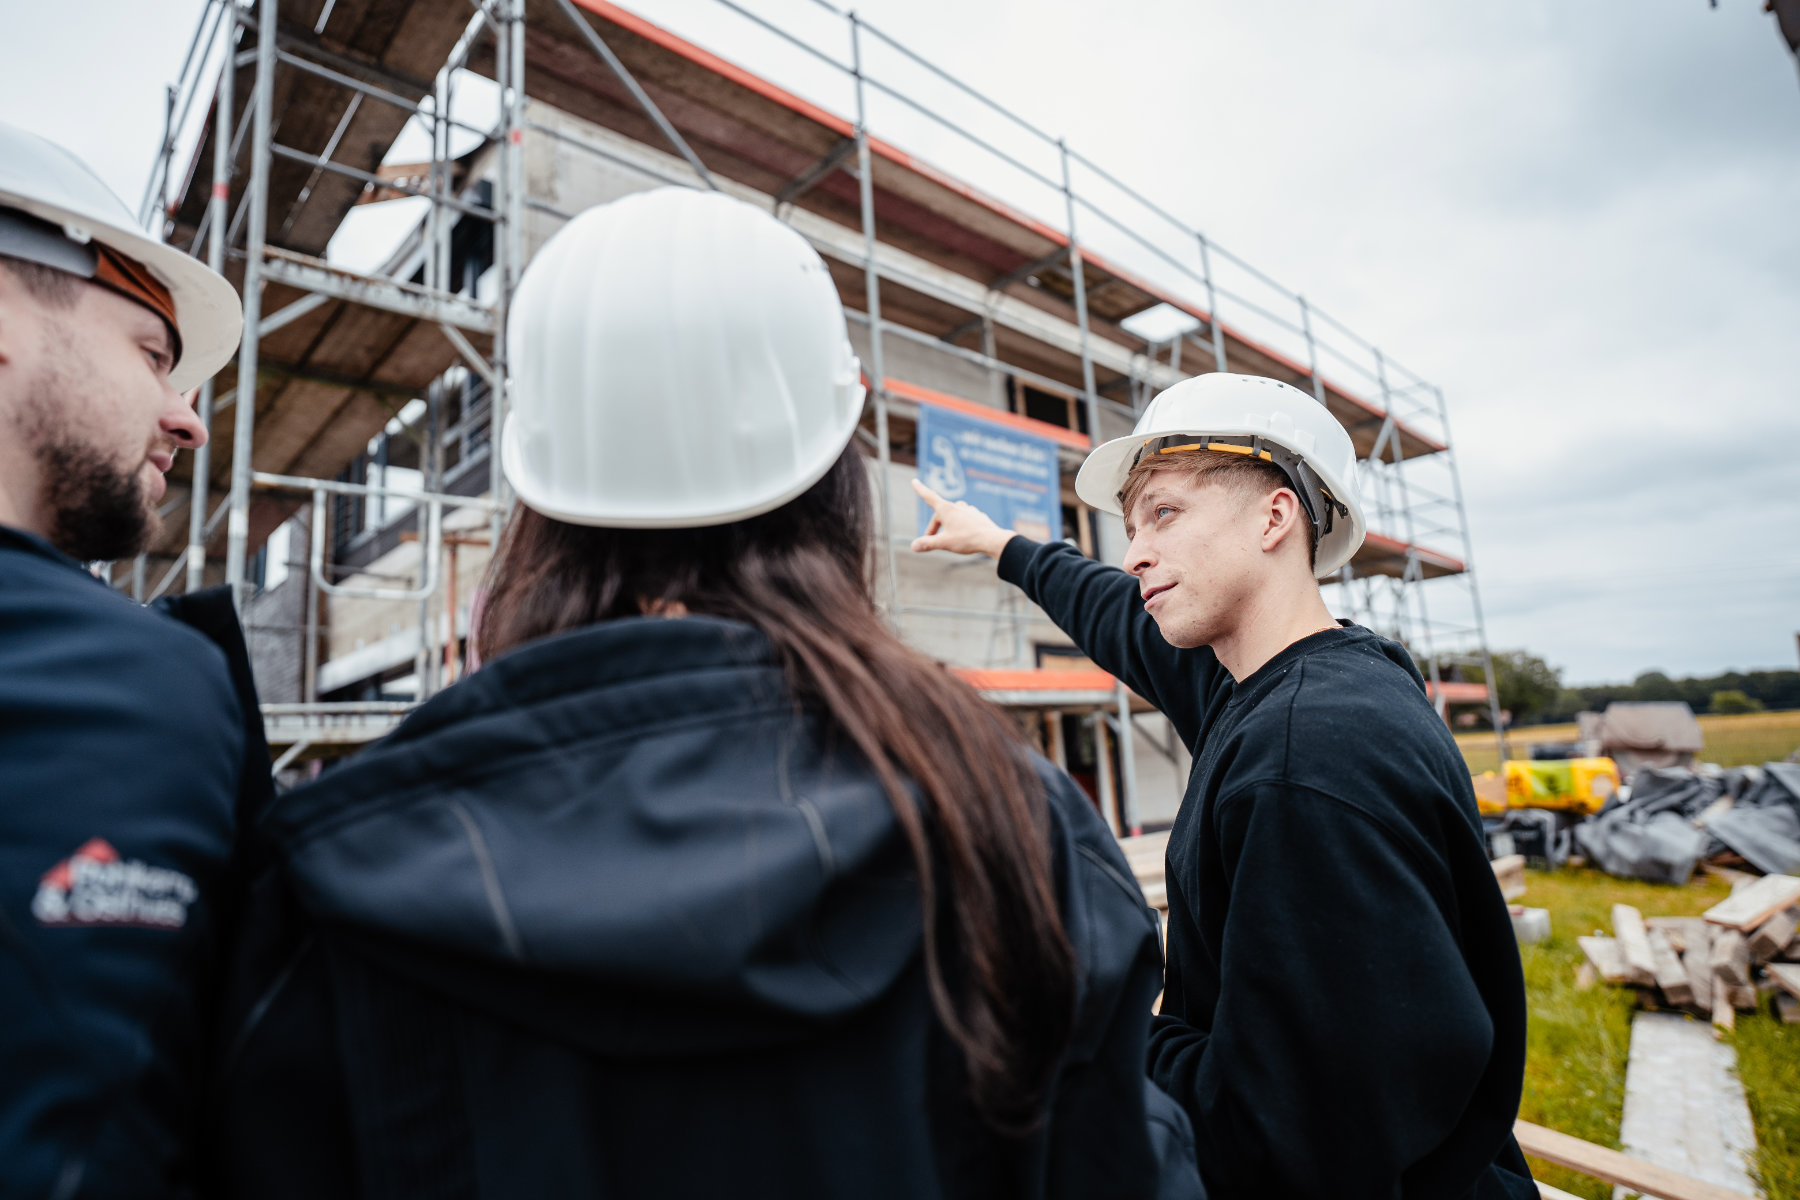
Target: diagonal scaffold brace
column 637, row 92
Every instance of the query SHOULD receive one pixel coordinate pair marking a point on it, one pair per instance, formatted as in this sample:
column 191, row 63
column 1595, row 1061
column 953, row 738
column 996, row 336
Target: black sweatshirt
column 1344, row 1013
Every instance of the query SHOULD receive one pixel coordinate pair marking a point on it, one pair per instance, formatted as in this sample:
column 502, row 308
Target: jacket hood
column 610, row 832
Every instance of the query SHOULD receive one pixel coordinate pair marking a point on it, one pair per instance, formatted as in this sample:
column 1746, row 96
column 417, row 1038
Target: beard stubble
column 98, row 510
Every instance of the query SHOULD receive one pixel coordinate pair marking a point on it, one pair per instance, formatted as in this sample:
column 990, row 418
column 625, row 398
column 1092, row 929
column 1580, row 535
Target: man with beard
column 128, row 740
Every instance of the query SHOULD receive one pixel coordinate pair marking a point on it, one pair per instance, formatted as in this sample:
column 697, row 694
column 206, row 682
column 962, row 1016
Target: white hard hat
column 679, row 358
column 1250, row 415
column 46, row 182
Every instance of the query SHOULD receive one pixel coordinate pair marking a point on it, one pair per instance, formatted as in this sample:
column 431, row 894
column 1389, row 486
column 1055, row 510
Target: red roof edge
column 1458, row 693
column 924, row 395
column 1396, row 546
column 1039, row 680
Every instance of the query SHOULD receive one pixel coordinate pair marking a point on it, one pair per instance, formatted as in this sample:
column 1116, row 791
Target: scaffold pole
column 237, row 523
column 872, row 290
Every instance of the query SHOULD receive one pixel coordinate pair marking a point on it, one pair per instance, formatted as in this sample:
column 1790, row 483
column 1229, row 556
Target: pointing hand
column 959, row 527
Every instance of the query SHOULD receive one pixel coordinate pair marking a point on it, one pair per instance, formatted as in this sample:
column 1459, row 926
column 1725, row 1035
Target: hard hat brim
column 1102, row 474
column 525, row 485
column 208, row 313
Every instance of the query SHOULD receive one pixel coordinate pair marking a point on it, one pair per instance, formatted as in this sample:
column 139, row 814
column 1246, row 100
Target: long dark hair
column 800, row 575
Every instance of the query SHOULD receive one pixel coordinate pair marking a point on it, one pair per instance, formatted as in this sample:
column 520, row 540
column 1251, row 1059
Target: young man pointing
column 1344, row 1013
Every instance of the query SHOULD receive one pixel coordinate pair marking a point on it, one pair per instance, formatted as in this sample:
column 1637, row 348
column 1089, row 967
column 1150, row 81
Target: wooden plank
column 1546, row 1192
column 1701, row 983
column 1671, row 976
column 1724, row 1015
column 1612, row 1167
column 1697, row 958
column 1731, row 958
column 1787, row 1008
column 1671, row 927
column 1634, row 945
column 1755, row 903
column 1683, row 932
column 1786, row 977
column 1509, row 873
column 1743, row 997
column 1603, row 954
column 1773, row 935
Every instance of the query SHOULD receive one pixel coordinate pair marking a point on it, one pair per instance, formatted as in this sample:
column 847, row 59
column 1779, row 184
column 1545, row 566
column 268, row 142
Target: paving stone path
column 1684, row 1104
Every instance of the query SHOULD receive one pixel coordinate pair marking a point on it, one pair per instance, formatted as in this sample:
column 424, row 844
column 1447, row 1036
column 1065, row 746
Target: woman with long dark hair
column 705, row 883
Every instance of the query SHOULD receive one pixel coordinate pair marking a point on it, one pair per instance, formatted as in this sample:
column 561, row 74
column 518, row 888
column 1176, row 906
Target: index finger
column 937, row 502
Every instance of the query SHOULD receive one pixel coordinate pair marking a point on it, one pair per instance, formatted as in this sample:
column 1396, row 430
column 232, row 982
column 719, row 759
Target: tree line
column 1533, row 692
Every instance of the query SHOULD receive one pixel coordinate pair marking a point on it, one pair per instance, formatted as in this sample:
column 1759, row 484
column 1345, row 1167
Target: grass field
column 1730, row 741
column 1578, row 1040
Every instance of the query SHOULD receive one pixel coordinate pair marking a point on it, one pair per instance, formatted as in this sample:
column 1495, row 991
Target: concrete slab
column 1684, row 1105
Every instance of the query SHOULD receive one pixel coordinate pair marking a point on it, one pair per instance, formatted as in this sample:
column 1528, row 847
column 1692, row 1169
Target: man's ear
column 1282, row 516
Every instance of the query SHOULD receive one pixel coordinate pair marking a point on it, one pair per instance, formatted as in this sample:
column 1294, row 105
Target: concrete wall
column 274, row 623
column 914, row 362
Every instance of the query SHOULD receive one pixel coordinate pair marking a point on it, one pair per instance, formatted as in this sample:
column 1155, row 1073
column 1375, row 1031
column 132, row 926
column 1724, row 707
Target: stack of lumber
column 1716, row 964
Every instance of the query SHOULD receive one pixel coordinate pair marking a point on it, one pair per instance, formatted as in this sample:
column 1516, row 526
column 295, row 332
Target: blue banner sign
column 1008, row 474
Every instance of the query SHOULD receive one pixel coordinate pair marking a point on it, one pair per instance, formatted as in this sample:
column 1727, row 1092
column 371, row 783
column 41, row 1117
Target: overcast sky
column 1581, row 220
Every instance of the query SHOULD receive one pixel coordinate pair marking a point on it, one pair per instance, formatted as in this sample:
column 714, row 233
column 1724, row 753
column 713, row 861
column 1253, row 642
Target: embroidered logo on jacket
column 94, row 886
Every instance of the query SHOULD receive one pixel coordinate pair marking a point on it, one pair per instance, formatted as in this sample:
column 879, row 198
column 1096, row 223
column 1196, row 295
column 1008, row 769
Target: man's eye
column 1161, row 510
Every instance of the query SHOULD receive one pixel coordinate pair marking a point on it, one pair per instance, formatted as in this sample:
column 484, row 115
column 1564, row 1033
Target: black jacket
column 612, row 918
column 128, row 744
column 1345, row 1011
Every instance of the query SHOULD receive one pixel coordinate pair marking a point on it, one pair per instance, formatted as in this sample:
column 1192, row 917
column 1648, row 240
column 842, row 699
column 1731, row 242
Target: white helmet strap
column 1315, row 498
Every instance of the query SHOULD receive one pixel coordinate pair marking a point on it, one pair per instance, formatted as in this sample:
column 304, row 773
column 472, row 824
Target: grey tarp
column 1652, row 835
column 1638, row 734
column 1663, row 847
column 1651, row 725
column 1668, row 822
column 1763, row 823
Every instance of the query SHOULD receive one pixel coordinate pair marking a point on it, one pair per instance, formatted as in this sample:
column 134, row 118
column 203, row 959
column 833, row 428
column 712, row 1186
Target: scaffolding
column 308, row 98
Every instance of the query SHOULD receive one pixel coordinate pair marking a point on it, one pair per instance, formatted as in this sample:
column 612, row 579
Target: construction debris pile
column 1630, row 797
column 1717, row 964
column 1669, row 820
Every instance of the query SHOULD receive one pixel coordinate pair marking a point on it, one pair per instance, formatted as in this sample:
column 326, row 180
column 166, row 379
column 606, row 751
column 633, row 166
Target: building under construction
column 350, row 488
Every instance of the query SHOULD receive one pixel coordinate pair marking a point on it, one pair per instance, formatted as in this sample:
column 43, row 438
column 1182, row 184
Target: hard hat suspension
column 29, row 239
column 1315, row 498
column 25, row 237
